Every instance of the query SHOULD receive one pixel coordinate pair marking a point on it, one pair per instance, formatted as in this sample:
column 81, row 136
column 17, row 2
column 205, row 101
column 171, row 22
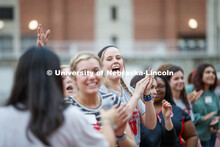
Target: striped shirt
column 92, row 114
column 135, row 120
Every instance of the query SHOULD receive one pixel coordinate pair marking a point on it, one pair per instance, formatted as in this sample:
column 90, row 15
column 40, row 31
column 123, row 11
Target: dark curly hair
column 197, row 80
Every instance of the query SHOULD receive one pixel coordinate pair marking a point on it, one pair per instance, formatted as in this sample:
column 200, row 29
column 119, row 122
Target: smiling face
column 68, row 84
column 112, row 61
column 161, row 91
column 177, row 81
column 89, row 83
column 208, row 76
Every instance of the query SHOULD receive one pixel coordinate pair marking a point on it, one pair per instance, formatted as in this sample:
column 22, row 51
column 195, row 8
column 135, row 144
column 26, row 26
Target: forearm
column 169, row 138
column 132, row 104
column 149, row 117
column 192, row 141
column 108, row 132
column 129, row 141
column 168, row 124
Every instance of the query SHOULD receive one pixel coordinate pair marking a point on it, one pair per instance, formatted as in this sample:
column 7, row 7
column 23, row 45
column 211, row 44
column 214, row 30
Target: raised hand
column 42, row 38
column 194, row 96
column 144, row 86
column 150, row 82
column 166, row 109
column 140, row 87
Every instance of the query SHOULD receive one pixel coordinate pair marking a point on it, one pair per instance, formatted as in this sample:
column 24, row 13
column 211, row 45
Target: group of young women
column 36, row 115
column 198, row 100
column 114, row 91
column 154, row 111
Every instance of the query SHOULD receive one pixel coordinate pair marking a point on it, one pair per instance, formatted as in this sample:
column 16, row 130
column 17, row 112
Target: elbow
column 149, row 122
column 152, row 125
column 192, row 141
column 133, row 144
column 195, row 138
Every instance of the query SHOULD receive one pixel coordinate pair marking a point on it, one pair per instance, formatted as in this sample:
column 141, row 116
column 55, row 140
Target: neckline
column 159, row 112
column 90, row 109
column 122, row 90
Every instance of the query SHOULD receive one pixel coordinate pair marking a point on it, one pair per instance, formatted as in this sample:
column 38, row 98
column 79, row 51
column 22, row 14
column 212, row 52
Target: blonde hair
column 101, row 53
column 82, row 56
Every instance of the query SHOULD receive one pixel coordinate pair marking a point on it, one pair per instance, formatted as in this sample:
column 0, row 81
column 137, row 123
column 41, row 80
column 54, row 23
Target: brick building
column 148, row 32
column 127, row 23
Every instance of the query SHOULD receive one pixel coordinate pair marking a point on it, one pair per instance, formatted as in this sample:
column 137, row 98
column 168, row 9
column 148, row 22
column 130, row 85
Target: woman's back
column 13, row 126
column 35, row 114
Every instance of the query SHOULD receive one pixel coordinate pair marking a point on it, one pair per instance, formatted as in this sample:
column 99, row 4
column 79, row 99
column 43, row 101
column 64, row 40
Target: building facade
column 148, row 32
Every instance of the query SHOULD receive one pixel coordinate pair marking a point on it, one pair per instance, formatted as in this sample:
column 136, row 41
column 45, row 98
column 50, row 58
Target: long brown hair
column 183, row 94
column 197, row 79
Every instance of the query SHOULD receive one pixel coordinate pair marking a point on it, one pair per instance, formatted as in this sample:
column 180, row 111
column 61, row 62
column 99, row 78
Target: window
column 27, row 41
column 6, row 45
column 192, row 42
column 114, row 13
column 6, row 13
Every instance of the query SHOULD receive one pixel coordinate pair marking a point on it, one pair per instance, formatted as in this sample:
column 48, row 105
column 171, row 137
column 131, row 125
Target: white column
column 212, row 21
column 122, row 27
column 17, row 37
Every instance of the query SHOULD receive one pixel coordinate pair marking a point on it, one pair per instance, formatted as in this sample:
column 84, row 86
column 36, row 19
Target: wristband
column 121, row 138
column 147, row 97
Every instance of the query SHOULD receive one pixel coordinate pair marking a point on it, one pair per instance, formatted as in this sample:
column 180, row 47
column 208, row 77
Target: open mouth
column 115, row 69
column 70, row 87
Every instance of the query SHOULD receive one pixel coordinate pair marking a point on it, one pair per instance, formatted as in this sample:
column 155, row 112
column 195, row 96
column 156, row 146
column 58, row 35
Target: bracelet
column 147, row 97
column 121, row 138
